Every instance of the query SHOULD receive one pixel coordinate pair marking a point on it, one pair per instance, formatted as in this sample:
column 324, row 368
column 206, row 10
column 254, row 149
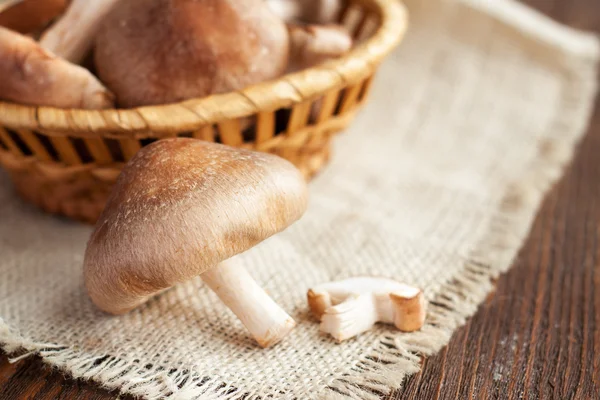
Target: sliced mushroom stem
column 72, row 36
column 409, row 310
column 352, row 306
column 350, row 318
column 267, row 322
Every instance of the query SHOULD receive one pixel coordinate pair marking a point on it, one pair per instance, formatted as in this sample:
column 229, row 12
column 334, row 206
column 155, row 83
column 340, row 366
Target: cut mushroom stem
column 352, row 306
column 408, row 309
column 350, row 318
column 72, row 36
column 265, row 320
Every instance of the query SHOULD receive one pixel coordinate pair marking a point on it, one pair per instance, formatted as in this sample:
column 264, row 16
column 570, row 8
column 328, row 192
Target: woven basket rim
column 263, row 97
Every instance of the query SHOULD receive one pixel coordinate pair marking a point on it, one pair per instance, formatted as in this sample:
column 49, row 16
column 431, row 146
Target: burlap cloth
column 436, row 184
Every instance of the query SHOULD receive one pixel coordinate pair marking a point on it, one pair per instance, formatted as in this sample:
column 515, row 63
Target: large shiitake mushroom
column 171, row 50
column 181, row 208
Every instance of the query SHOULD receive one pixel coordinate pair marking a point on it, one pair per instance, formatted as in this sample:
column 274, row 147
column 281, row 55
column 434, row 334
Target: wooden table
column 536, row 337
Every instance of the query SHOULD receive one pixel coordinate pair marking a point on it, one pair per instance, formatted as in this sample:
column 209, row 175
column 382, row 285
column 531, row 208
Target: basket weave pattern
column 66, row 161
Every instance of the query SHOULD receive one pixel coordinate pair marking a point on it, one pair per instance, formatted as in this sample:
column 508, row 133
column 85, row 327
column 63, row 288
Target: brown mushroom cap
column 170, row 50
column 179, row 208
column 30, row 15
column 31, row 75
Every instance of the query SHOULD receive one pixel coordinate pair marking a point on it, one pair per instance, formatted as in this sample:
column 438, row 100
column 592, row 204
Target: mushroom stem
column 350, row 318
column 267, row 322
column 312, row 11
column 409, row 310
column 314, row 44
column 352, row 306
column 72, row 36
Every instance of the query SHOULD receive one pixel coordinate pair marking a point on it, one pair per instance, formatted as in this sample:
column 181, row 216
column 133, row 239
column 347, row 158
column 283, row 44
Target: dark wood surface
column 536, row 337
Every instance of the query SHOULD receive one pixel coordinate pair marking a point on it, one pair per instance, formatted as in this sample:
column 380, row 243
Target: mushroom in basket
column 26, row 16
column 313, row 44
column 31, row 75
column 172, row 50
column 158, row 52
column 314, row 37
column 309, row 11
column 73, row 35
column 180, row 209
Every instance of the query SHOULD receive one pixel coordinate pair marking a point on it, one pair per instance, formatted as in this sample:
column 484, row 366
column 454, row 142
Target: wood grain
column 536, row 337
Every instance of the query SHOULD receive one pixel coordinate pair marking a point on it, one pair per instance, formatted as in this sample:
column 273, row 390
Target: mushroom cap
column 29, row 15
column 166, row 51
column 180, row 207
column 31, row 75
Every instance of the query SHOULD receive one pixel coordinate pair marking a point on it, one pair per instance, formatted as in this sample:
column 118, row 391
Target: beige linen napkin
column 436, row 184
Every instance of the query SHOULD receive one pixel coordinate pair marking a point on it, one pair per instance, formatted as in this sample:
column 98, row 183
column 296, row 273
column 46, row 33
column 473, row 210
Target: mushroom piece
column 166, row 51
column 25, row 16
column 72, row 36
column 310, row 11
column 34, row 76
column 352, row 306
column 313, row 44
column 178, row 210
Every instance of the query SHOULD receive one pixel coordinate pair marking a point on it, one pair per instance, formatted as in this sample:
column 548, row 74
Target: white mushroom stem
column 72, row 36
column 288, row 10
column 267, row 322
column 352, row 306
column 312, row 11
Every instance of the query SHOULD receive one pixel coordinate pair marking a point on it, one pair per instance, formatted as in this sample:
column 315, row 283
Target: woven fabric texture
column 436, row 184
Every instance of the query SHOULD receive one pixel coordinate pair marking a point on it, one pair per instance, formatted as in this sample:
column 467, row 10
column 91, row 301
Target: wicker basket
column 65, row 161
